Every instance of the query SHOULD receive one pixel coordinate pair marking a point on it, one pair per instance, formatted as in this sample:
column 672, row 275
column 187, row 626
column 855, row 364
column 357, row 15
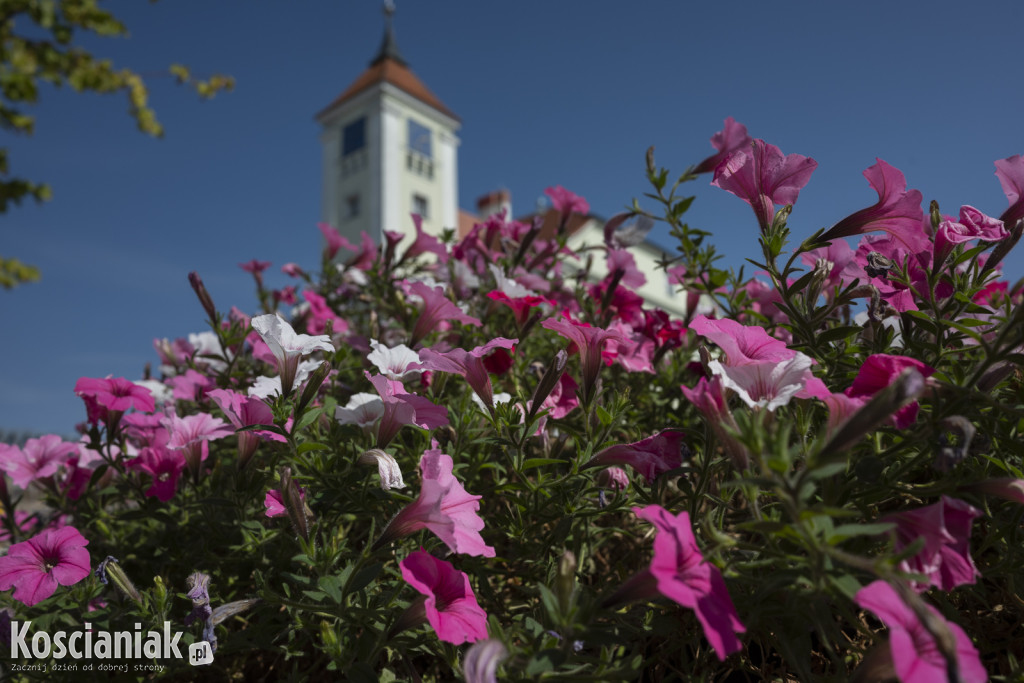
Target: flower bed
column 465, row 459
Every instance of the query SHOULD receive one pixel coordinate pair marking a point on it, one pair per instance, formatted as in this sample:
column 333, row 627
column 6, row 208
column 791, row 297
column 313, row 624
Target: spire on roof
column 388, row 47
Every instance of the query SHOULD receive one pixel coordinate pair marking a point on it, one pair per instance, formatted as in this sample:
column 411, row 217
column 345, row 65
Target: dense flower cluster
column 496, row 435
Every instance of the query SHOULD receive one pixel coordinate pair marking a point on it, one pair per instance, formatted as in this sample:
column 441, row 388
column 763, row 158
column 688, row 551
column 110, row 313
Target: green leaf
column 541, row 462
column 845, row 531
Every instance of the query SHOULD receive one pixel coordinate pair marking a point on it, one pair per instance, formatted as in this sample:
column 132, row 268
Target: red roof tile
column 397, row 74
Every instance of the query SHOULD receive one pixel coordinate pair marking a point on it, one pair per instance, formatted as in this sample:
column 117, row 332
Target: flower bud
column 548, row 382
column 387, row 468
column 204, row 296
column 110, row 570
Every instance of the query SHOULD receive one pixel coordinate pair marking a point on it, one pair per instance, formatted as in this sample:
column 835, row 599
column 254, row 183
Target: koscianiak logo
column 63, row 650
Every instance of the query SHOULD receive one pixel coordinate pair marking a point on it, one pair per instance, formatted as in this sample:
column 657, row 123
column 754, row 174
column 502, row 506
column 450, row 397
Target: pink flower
column 274, row 502
column 1010, row 172
column 255, row 267
column 589, row 341
column 436, row 307
column 761, row 176
column 878, row 372
column 34, row 568
column 946, row 529
column 319, row 313
column 709, row 398
column 450, row 605
column 973, row 225
column 915, row 654
column 732, row 137
column 565, row 202
column 334, row 240
column 190, row 386
column 897, row 211
column 468, row 364
column 651, row 457
column 107, row 398
column 245, row 411
column 292, row 270
column 40, row 458
column 190, row 434
column 402, row 408
column 742, row 344
column 444, row 507
column 164, row 466
column 684, row 576
column 424, row 243
column 521, row 306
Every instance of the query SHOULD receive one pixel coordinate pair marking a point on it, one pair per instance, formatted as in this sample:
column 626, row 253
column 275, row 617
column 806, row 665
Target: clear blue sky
column 570, row 92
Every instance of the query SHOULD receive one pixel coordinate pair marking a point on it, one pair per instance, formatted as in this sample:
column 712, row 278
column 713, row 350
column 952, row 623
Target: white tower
column 389, row 149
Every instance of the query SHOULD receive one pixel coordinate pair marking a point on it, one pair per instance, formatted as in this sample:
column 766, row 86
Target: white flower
column 362, row 409
column 394, row 362
column 387, row 468
column 161, row 392
column 500, row 397
column 765, row 385
column 208, row 344
column 287, row 346
column 265, row 387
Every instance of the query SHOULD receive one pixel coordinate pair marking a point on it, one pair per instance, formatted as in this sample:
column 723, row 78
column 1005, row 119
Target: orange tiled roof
column 391, row 71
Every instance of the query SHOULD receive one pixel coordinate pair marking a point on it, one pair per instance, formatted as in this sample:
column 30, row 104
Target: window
column 353, row 137
column 420, row 205
column 352, row 206
column 419, row 138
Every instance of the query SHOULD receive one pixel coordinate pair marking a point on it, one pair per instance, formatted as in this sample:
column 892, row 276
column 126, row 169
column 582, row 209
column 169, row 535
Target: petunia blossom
column 682, row 574
column 566, row 202
column 879, row 371
column 915, row 654
column 468, row 364
column 444, row 507
column 191, row 433
column 245, row 411
column 436, row 308
column 651, row 457
column 763, row 177
column 768, row 385
column 402, row 408
column 396, row 362
column 287, row 346
column 897, row 211
column 37, row 459
column 945, row 527
column 450, row 604
column 34, row 568
column 973, row 224
column 164, row 466
column 732, row 137
column 274, row 502
column 1010, row 172
column 742, row 344
column 588, row 340
column 480, row 664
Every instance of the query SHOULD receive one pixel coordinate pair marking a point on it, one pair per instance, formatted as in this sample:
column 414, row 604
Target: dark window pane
column 354, row 137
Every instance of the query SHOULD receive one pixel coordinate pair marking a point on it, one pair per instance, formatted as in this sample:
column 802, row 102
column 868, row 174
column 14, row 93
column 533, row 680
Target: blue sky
column 570, row 92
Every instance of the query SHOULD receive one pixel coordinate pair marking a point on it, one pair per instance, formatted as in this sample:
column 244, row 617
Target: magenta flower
column 34, row 568
column 709, row 398
column 468, row 364
column 424, row 243
column 287, row 346
column 164, row 466
column 878, row 372
column 946, row 529
column 1010, row 172
column 191, row 434
column 763, row 177
column 334, row 239
column 402, row 408
column 973, row 225
column 436, row 308
column 320, row 313
column 274, row 502
column 682, row 575
column 732, row 137
column 742, row 344
column 40, row 458
column 450, row 604
column 245, row 411
column 897, row 211
column 915, row 654
column 589, row 341
column 108, row 398
column 255, row 267
column 651, row 457
column 444, row 507
column 566, row 202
